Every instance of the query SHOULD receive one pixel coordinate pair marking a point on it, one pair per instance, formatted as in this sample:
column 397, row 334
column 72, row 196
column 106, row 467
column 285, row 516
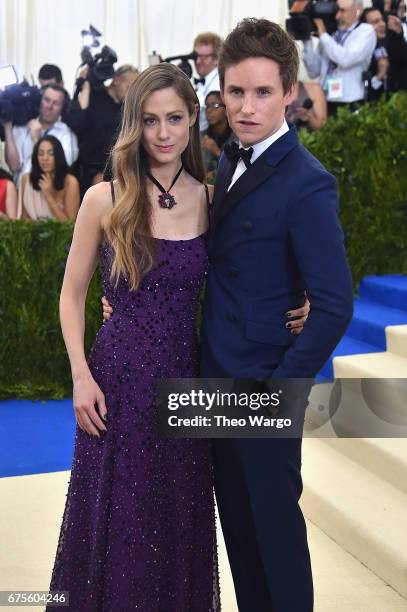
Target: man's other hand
column 298, row 317
column 107, row 309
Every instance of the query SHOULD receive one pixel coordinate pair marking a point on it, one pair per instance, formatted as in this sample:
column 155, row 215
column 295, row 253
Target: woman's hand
column 296, row 326
column 46, row 185
column 304, row 114
column 86, row 393
column 210, row 144
column 107, row 309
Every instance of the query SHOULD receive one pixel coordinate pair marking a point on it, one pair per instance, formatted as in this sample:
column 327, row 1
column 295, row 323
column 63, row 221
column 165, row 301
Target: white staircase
column 355, row 489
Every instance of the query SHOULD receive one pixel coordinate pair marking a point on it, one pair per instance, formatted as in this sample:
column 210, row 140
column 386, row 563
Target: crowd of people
column 57, row 156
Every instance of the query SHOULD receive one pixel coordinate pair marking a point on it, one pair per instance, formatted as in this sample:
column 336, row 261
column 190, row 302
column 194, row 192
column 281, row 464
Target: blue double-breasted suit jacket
column 272, row 237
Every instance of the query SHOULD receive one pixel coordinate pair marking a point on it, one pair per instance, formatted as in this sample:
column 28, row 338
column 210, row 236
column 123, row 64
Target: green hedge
column 366, row 151
column 33, row 360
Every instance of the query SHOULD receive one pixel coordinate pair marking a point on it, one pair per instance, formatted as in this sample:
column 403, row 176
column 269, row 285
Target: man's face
column 375, row 18
column 401, row 10
column 51, row 105
column 254, row 98
column 206, row 60
column 122, row 84
column 347, row 14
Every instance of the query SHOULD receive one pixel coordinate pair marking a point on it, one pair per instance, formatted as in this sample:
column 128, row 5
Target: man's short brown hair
column 260, row 38
column 124, row 69
column 209, row 38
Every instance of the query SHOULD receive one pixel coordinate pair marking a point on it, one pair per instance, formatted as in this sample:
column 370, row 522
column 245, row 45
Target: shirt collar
column 261, row 146
column 209, row 77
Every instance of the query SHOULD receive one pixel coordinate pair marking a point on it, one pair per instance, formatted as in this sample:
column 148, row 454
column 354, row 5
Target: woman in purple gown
column 138, row 531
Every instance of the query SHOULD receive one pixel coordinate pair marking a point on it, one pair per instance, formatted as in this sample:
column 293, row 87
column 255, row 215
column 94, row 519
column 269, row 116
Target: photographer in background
column 401, row 14
column 388, row 68
column 341, row 59
column 20, row 140
column 49, row 73
column 207, row 47
column 94, row 116
column 308, row 108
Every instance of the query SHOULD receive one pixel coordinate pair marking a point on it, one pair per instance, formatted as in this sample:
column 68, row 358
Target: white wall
column 33, row 32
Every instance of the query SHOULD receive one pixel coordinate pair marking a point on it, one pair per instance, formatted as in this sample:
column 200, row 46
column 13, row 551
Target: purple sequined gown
column 138, row 531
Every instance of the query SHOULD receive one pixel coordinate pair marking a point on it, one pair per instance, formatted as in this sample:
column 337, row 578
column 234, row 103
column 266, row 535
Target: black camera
column 300, row 25
column 19, row 103
column 101, row 64
column 184, row 64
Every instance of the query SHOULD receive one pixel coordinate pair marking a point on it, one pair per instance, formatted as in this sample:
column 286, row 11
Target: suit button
column 233, row 271
column 247, row 226
column 229, row 316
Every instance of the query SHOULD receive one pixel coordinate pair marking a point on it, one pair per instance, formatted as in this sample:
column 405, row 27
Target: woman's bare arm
column 319, row 111
column 81, row 264
column 71, row 197
column 11, row 201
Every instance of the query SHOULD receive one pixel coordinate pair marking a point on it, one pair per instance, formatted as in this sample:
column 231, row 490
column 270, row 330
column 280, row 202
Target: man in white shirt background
column 20, row 140
column 207, row 46
column 340, row 60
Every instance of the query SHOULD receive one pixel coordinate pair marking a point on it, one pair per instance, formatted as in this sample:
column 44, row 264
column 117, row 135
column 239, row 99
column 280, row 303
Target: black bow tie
column 197, row 81
column 234, row 153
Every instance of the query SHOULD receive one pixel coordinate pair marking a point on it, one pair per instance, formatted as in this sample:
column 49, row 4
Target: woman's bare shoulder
column 99, row 194
column 70, row 179
column 97, row 201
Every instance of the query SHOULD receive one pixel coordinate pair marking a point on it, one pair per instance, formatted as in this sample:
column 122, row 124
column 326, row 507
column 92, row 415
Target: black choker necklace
column 165, row 199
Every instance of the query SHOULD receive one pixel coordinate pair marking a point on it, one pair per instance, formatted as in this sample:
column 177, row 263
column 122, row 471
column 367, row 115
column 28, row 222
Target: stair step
column 357, row 509
column 372, row 365
column 389, row 290
column 370, row 320
column 385, row 457
column 396, row 336
column 347, row 346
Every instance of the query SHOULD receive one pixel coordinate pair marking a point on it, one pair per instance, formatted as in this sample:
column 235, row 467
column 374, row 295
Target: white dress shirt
column 25, row 144
column 211, row 84
column 352, row 58
column 258, row 149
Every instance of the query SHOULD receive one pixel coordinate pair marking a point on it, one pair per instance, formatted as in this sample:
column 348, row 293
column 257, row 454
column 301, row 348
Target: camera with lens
column 101, row 65
column 300, row 25
column 19, row 102
column 183, row 63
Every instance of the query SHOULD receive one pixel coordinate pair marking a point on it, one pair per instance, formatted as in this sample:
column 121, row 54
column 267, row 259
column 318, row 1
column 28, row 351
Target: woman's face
column 215, row 109
column 166, row 123
column 46, row 158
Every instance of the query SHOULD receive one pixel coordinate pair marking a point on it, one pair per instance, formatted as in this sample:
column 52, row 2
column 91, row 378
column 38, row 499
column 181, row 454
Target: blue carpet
column 36, row 437
column 382, row 302
column 370, row 320
column 389, row 290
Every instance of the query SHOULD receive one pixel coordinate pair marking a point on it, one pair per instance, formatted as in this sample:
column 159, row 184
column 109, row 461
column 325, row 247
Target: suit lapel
column 254, row 176
column 248, row 182
column 224, row 176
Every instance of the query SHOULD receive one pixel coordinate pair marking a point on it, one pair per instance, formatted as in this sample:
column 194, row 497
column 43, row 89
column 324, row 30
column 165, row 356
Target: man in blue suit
column 274, row 235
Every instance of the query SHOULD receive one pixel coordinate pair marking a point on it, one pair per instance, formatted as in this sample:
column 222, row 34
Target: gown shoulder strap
column 208, row 200
column 112, row 191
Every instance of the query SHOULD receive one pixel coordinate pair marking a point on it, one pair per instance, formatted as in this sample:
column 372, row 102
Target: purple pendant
column 166, row 200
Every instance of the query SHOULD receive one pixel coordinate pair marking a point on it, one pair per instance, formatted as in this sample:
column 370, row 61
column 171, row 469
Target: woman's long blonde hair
column 129, row 226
